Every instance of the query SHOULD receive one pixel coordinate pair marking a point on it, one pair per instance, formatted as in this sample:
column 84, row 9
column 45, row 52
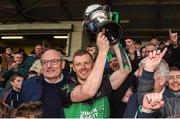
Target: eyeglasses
column 52, row 62
column 177, row 77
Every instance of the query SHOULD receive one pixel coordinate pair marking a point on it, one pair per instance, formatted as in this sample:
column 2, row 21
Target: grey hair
column 162, row 70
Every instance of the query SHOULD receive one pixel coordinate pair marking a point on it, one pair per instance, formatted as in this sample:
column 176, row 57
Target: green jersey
column 97, row 107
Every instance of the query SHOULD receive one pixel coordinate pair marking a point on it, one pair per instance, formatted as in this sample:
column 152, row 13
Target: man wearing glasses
column 51, row 88
column 46, row 88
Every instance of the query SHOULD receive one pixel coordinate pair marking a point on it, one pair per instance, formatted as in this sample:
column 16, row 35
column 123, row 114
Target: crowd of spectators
column 44, row 84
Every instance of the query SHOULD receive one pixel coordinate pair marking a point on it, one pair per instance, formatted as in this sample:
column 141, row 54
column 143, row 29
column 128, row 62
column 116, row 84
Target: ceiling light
column 60, row 37
column 11, row 37
column 124, row 21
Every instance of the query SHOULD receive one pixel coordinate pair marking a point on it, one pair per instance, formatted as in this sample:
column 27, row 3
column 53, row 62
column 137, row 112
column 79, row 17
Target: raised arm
column 121, row 74
column 146, row 82
column 91, row 85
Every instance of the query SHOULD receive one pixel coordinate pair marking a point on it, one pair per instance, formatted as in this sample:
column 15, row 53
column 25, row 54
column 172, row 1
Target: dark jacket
column 117, row 107
column 171, row 106
column 132, row 106
column 32, row 90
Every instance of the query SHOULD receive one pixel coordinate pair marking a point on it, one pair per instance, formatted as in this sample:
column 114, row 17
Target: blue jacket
column 31, row 89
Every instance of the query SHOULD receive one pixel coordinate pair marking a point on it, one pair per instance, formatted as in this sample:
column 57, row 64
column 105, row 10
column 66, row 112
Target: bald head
column 51, row 53
column 52, row 65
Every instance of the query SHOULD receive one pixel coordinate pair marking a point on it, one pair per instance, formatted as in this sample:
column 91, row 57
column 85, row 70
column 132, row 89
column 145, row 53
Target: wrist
column 146, row 110
column 149, row 69
column 102, row 53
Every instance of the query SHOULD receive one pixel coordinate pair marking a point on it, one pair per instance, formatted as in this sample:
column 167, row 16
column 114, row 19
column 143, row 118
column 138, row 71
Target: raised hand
column 102, row 43
column 173, row 37
column 152, row 101
column 153, row 59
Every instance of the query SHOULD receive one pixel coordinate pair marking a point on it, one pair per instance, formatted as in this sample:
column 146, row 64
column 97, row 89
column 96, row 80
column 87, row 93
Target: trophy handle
column 126, row 62
column 115, row 17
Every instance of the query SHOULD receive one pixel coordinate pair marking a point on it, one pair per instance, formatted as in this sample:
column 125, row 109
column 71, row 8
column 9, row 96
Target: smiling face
column 113, row 64
column 8, row 51
column 52, row 65
column 174, row 81
column 18, row 58
column 82, row 65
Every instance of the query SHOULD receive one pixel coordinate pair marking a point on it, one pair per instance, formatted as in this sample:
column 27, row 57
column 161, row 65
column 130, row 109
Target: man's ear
column 73, row 68
column 12, row 83
column 63, row 64
column 162, row 81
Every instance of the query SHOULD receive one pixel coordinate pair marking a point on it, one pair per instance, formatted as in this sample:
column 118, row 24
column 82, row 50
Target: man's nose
column 49, row 64
column 175, row 79
column 83, row 66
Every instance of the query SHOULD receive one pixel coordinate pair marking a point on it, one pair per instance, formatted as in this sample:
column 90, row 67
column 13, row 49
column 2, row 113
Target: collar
column 162, row 90
column 60, row 79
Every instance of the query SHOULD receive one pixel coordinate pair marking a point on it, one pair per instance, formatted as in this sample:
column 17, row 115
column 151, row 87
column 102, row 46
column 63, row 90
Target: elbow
column 90, row 93
column 127, row 71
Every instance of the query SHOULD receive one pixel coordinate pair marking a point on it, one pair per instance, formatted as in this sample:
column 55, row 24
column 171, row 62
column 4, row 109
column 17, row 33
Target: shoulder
column 69, row 81
column 167, row 93
column 33, row 80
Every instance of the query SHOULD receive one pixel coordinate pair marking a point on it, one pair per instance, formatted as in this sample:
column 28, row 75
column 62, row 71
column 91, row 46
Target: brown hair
column 174, row 68
column 82, row 52
column 15, row 75
column 32, row 109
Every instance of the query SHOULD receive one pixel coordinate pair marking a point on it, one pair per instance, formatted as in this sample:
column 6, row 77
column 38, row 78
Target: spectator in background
column 162, row 46
column 1, row 82
column 172, row 56
column 36, row 66
column 155, row 42
column 132, row 53
column 15, row 66
column 14, row 84
column 7, row 57
column 143, row 52
column 32, row 74
column 22, row 51
column 150, row 48
column 93, row 51
column 18, row 60
column 31, row 59
column 5, row 112
column 120, row 96
column 154, row 101
column 28, row 110
column 174, row 80
column 160, row 78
